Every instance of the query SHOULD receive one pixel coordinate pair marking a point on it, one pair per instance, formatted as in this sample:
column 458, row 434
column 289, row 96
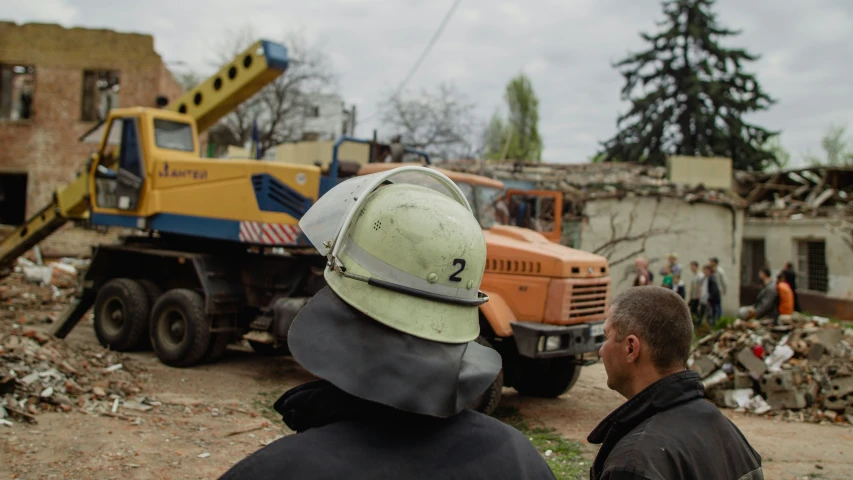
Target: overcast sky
column 566, row 47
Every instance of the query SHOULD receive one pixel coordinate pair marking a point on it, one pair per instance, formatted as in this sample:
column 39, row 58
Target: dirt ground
column 213, row 415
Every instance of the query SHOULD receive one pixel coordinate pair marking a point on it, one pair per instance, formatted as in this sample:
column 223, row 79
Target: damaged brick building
column 56, row 84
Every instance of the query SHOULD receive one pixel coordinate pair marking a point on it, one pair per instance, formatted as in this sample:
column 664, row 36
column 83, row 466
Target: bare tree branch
column 608, row 248
column 441, row 122
column 280, row 107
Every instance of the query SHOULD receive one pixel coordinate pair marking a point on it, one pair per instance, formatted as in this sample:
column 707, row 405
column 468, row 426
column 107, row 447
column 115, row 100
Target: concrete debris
column 40, row 373
column 802, row 371
column 808, row 192
column 588, row 181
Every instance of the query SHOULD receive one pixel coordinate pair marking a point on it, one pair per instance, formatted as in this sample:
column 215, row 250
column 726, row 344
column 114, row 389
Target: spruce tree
column 689, row 94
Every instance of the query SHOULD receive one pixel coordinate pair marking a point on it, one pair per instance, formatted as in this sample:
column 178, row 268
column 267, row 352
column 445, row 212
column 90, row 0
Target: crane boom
column 246, row 74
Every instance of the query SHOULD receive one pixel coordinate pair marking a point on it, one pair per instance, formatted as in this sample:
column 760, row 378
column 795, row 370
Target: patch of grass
column 724, row 322
column 263, row 404
column 565, row 459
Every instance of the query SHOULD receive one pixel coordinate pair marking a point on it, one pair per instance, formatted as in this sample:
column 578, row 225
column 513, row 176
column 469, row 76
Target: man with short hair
column 666, row 430
column 766, row 304
column 720, row 276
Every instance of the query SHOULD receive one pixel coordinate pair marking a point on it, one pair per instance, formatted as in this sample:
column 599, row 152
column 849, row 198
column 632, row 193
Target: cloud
column 45, row 11
column 566, row 47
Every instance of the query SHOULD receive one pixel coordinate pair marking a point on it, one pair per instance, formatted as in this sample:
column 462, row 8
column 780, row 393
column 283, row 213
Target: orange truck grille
column 579, row 300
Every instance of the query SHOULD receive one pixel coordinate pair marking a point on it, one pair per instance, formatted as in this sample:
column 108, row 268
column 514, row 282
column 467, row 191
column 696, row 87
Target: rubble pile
column 801, row 369
column 588, row 181
column 825, row 192
column 39, row 373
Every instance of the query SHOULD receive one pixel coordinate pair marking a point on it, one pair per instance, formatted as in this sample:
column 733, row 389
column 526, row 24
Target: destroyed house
column 804, row 216
column 56, row 84
column 626, row 210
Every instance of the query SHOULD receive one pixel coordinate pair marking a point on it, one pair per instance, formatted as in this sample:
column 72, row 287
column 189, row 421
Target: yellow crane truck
column 218, row 255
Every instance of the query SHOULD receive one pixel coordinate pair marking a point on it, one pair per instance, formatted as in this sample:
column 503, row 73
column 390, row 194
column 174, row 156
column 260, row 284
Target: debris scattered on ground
column 39, row 373
column 61, row 274
column 799, row 370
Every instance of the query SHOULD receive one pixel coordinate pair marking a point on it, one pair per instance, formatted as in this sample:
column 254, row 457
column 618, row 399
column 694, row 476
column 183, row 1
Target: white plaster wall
column 696, row 232
column 780, row 246
column 329, row 125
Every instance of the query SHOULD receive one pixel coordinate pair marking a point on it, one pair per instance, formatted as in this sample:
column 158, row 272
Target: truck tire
column 121, row 315
column 548, row 378
column 218, row 341
column 180, row 329
column 491, row 398
column 153, row 292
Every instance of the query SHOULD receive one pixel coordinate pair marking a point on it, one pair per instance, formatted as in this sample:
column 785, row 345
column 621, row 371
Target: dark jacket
column 766, row 305
column 340, row 436
column 669, row 431
column 713, row 291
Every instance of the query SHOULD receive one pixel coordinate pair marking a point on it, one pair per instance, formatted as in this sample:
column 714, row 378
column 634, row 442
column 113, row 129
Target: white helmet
column 398, row 323
column 402, row 249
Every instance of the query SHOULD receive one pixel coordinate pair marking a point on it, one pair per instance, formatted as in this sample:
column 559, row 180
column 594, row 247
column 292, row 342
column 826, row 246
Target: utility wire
column 426, row 51
column 429, row 46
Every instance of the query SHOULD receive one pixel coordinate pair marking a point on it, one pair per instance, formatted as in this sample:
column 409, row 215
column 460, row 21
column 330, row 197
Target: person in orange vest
column 786, row 295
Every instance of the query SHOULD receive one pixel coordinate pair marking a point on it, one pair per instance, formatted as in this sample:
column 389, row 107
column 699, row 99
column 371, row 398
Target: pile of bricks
column 800, row 369
column 40, row 373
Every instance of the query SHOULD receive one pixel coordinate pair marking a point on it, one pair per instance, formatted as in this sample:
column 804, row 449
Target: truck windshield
column 491, row 206
column 173, row 135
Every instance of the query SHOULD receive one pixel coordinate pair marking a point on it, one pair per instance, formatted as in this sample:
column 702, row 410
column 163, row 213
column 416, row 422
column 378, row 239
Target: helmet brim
column 370, row 360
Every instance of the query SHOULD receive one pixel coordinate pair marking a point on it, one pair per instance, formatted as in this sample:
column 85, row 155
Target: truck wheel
column 267, row 350
column 218, row 341
column 549, row 378
column 153, row 292
column 121, row 315
column 180, row 330
column 491, row 398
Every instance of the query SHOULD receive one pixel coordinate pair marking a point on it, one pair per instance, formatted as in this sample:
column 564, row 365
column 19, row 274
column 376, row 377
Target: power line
column 429, row 46
column 426, row 51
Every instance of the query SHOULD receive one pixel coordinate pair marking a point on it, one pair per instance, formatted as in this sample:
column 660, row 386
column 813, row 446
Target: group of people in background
column 705, row 289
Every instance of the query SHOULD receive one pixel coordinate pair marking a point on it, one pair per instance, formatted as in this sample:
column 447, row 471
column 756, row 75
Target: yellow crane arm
column 234, row 83
column 69, row 203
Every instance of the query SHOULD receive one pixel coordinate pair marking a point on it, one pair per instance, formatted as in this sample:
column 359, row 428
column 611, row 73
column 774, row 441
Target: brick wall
column 46, row 146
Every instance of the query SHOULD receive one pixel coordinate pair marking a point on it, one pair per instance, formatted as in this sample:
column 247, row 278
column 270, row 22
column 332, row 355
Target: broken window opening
column 100, row 94
column 16, row 92
column 313, row 111
column 812, row 271
column 13, row 198
column 753, row 259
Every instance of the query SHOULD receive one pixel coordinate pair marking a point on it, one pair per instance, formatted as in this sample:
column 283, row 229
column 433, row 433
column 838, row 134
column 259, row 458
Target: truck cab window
column 491, row 206
column 130, row 157
column 173, row 135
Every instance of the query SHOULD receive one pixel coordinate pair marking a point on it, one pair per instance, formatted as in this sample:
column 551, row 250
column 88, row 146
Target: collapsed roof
column 591, row 181
column 807, row 192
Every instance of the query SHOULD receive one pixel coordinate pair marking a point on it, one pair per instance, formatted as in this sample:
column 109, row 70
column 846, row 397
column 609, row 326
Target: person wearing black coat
column 393, row 341
column 665, row 429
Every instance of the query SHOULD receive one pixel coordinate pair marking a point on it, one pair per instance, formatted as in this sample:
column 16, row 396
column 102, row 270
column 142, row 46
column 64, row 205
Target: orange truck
column 547, row 301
